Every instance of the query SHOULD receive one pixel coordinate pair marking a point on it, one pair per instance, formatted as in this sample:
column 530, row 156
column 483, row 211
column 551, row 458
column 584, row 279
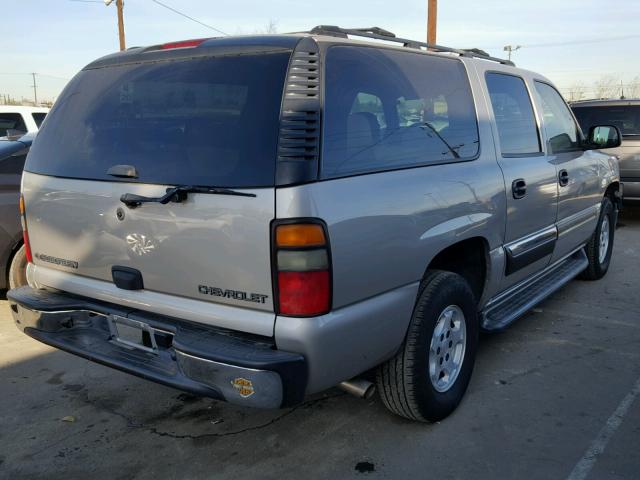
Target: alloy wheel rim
column 447, row 349
column 604, row 239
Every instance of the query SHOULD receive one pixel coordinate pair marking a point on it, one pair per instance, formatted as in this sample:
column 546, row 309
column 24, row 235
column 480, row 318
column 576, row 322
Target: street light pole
column 35, row 90
column 511, row 49
column 432, row 20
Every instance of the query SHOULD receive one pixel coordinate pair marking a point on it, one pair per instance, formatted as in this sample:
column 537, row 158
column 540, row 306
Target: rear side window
column 209, row 121
column 386, row 109
column 561, row 128
column 514, row 115
column 38, row 117
column 625, row 117
column 11, row 121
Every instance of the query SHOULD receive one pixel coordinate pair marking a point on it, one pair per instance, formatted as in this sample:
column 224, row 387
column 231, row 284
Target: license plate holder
column 130, row 333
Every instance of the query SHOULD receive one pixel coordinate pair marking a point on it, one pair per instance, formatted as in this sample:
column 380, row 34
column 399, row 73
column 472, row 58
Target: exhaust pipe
column 359, row 387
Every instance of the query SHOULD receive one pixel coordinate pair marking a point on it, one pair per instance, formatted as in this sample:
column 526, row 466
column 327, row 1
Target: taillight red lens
column 25, row 234
column 303, row 293
column 27, row 247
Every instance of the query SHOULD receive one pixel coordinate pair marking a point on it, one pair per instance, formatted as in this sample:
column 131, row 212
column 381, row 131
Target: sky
column 568, row 41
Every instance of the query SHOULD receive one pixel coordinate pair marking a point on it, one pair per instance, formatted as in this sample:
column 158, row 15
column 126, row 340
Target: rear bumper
column 195, row 358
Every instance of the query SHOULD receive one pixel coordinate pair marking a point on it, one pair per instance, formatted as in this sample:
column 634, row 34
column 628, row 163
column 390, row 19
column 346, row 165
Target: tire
column 18, row 269
column 405, row 382
column 598, row 260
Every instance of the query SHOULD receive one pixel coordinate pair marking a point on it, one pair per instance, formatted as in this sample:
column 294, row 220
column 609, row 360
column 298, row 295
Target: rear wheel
column 428, row 377
column 600, row 244
column 18, row 269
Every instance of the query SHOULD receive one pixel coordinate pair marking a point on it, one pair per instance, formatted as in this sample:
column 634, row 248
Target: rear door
column 530, row 179
column 579, row 189
column 210, row 122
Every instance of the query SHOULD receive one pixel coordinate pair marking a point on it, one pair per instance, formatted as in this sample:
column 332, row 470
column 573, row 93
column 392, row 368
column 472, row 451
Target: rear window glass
column 11, row 121
column 386, row 110
column 625, row 117
column 211, row 121
column 38, row 117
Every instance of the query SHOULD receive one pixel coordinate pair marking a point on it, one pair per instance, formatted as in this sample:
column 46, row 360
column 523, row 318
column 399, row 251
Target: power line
column 582, row 42
column 39, row 74
column 574, row 42
column 190, row 18
column 53, row 76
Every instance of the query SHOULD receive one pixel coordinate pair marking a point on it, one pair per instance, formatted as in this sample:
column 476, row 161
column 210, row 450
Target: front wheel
column 600, row 244
column 428, row 377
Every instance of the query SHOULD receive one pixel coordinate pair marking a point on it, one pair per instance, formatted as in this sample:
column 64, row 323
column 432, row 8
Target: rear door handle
column 519, row 188
column 563, row 178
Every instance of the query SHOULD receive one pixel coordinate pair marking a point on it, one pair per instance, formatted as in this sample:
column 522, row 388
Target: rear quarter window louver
column 299, row 138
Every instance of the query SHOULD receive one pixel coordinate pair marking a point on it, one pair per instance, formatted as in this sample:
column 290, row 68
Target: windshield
column 625, row 117
column 209, row 121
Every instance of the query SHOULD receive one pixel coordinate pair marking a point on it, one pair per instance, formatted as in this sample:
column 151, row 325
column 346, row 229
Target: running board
column 508, row 308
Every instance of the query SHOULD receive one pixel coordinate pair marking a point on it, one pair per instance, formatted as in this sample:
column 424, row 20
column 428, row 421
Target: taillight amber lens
column 300, row 235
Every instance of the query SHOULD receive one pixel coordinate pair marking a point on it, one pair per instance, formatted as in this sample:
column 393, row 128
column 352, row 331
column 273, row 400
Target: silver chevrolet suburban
column 259, row 218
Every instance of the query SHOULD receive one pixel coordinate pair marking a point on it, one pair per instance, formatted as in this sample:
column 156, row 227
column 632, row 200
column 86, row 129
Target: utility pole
column 35, row 90
column 119, row 7
column 432, row 20
column 511, row 49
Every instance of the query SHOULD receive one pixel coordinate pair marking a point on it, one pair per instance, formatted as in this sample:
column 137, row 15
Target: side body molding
column 530, row 249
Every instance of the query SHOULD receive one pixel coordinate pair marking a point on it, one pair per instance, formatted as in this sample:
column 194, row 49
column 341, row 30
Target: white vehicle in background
column 21, row 119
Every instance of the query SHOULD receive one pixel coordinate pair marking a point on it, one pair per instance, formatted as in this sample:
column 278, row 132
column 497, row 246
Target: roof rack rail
column 378, row 33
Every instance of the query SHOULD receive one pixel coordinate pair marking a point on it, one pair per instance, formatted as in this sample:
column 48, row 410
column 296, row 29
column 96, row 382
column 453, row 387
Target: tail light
column 302, row 269
column 25, row 234
column 183, row 44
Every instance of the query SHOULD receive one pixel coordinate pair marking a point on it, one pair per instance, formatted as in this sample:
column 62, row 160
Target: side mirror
column 604, row 136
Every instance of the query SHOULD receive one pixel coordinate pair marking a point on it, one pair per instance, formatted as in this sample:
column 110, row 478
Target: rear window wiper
column 178, row 194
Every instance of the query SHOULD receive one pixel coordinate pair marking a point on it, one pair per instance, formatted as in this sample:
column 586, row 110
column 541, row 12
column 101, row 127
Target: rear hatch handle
column 124, row 171
column 178, row 194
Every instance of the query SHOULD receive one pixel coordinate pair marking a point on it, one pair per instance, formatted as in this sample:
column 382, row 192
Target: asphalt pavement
column 552, row 397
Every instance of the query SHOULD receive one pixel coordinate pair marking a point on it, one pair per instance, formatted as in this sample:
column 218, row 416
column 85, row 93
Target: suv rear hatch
column 169, row 119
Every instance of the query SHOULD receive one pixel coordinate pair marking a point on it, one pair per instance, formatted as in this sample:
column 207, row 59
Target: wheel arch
column 7, row 267
column 468, row 258
column 614, row 194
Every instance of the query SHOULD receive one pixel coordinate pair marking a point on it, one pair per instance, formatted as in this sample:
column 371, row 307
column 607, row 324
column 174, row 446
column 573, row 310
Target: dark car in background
column 624, row 114
column 13, row 262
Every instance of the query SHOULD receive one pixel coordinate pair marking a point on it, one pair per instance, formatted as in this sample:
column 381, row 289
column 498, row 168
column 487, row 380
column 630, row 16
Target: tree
column 607, row 87
column 272, row 26
column 577, row 91
column 633, row 89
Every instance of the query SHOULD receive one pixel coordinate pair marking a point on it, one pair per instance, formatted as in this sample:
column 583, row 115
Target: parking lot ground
column 553, row 397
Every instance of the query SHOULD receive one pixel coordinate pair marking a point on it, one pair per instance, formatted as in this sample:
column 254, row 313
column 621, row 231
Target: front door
column 530, row 179
column 579, row 189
